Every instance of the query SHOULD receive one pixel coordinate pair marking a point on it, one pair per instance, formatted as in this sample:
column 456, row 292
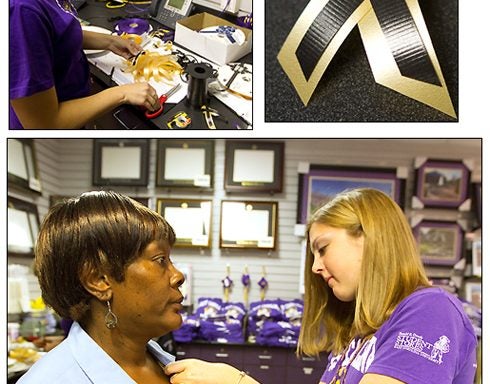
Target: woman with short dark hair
column 103, row 260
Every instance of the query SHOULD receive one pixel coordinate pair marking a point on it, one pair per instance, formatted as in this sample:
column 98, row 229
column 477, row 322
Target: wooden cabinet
column 265, row 364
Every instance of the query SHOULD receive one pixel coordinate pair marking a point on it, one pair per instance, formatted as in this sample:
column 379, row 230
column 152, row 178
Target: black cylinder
column 197, row 91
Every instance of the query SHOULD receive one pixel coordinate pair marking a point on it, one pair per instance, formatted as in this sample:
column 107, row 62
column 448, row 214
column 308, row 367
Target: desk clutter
column 201, row 61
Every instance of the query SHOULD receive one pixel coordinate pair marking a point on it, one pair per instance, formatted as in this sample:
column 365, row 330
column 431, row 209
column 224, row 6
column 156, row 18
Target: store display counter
column 265, row 364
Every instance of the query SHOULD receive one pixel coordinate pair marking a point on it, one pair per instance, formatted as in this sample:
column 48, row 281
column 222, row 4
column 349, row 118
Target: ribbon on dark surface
column 395, row 37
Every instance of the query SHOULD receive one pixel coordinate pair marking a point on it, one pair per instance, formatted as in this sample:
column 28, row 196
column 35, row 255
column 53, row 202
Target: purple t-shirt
column 45, row 51
column 427, row 340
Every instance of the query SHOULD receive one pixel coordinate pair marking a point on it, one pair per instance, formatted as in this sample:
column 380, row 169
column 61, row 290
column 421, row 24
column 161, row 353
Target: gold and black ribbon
column 395, row 37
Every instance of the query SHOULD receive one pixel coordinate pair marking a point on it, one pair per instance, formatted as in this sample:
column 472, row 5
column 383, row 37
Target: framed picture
column 248, row 224
column 439, row 242
column 22, row 166
column 23, row 227
column 254, row 166
column 185, row 163
column 320, row 183
column 190, row 219
column 476, row 257
column 441, row 184
column 121, row 162
column 473, row 293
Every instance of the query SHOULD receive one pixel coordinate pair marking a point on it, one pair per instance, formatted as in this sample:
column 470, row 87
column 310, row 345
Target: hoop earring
column 110, row 317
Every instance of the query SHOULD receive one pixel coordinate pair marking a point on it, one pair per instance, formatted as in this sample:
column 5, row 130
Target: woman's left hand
column 124, row 47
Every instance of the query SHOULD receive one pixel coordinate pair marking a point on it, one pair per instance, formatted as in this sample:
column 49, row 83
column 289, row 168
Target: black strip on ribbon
column 397, row 25
column 321, row 32
column 404, row 40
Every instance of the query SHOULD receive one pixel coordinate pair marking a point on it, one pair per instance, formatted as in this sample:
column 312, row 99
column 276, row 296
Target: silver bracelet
column 241, row 376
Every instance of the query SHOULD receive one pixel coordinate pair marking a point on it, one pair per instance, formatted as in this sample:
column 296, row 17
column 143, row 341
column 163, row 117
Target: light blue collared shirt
column 80, row 360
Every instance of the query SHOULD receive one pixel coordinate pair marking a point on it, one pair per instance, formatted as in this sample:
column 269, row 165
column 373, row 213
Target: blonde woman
column 369, row 304
column 368, row 301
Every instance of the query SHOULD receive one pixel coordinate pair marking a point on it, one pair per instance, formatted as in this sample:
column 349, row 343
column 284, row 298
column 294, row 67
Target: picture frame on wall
column 22, row 165
column 441, row 184
column 190, row 219
column 254, row 166
column 476, row 257
column 477, row 203
column 257, row 227
column 23, row 227
column 318, row 184
column 439, row 242
column 121, row 162
column 473, row 293
column 185, row 164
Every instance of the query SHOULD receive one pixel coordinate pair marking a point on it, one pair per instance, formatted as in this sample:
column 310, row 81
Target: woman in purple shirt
column 369, row 304
column 49, row 73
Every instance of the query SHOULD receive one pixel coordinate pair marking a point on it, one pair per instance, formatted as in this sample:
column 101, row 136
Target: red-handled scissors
column 162, row 99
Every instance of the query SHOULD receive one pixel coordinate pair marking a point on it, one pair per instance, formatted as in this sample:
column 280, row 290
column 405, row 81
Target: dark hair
column 98, row 230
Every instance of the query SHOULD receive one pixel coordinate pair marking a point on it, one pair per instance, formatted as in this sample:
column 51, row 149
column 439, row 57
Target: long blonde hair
column 391, row 270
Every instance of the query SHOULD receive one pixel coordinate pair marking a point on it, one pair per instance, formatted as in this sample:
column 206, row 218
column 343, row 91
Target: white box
column 187, row 34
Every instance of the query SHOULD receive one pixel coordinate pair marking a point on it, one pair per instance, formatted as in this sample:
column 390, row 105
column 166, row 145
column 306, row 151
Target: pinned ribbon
column 395, row 37
column 263, row 284
column 227, row 284
column 246, row 285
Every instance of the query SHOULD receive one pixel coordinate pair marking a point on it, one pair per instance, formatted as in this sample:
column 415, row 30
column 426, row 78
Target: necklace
column 341, row 373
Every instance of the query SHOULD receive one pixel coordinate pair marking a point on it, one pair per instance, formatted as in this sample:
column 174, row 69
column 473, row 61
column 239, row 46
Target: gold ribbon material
column 388, row 44
column 148, row 65
column 132, row 36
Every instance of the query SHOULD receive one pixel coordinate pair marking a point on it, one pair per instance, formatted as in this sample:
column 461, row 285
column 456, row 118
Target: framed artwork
column 22, row 166
column 477, row 202
column 476, row 257
column 190, row 219
column 439, row 242
column 254, row 166
column 441, row 184
column 473, row 293
column 185, row 163
column 248, row 224
column 121, row 162
column 23, row 227
column 320, row 183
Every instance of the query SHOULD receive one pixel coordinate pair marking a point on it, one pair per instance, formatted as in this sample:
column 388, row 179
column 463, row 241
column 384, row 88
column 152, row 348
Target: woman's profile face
column 337, row 259
column 148, row 301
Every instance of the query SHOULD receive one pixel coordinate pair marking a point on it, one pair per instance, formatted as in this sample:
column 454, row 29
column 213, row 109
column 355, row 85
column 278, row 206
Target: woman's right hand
column 195, row 371
column 141, row 94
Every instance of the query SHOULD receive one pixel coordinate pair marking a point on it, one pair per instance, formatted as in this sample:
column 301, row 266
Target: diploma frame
column 441, row 184
column 473, row 293
column 27, row 223
column 22, row 165
column 121, row 149
column 193, row 216
column 248, row 224
column 322, row 182
column 171, row 154
column 439, row 242
column 243, row 161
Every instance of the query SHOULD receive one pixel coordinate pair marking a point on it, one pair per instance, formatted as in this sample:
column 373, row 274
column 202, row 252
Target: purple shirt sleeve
column 45, row 50
column 427, row 340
